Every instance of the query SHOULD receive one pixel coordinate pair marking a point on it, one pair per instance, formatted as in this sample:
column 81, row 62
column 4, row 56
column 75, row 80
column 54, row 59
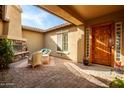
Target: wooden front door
column 101, row 44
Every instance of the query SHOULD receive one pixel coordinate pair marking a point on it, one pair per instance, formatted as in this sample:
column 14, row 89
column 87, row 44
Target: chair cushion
column 45, row 51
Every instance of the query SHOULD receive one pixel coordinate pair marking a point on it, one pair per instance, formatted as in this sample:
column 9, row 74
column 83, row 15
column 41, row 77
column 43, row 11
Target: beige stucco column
column 12, row 25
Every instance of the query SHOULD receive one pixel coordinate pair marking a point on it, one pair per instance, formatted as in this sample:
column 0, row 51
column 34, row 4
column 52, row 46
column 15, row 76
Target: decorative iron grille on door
column 88, row 30
column 118, row 39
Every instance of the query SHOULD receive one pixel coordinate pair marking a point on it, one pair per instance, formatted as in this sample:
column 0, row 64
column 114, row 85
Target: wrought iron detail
column 118, row 40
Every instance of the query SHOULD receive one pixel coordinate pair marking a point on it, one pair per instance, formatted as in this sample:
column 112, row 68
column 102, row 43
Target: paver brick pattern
column 54, row 75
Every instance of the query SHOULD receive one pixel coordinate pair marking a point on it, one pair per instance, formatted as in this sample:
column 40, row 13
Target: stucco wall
column 113, row 17
column 1, row 27
column 35, row 40
column 75, row 43
column 13, row 13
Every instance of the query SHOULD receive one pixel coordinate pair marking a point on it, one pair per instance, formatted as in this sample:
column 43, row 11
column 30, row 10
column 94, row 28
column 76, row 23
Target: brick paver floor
column 58, row 74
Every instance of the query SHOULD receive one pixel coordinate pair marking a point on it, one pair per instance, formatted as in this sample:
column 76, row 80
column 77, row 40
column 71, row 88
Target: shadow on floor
column 106, row 81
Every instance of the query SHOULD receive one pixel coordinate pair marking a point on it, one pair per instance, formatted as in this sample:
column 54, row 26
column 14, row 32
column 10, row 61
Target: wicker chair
column 35, row 59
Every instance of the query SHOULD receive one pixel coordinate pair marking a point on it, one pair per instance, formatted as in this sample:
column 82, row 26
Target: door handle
column 112, row 46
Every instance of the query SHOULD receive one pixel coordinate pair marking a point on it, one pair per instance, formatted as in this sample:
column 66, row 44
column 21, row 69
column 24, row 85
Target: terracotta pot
column 86, row 62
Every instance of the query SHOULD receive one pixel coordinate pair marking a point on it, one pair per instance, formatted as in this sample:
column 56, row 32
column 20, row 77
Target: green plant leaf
column 6, row 53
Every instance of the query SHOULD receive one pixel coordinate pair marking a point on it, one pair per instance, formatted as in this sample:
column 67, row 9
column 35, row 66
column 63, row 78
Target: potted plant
column 117, row 83
column 119, row 67
column 86, row 62
column 6, row 53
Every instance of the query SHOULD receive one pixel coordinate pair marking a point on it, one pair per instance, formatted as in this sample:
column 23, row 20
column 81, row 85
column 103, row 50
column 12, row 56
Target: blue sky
column 36, row 17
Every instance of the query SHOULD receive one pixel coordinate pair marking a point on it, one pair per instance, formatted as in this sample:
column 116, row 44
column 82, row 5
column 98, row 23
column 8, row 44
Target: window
column 62, row 41
column 118, row 38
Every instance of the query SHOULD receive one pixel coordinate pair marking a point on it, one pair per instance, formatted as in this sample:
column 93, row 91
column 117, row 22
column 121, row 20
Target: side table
column 45, row 59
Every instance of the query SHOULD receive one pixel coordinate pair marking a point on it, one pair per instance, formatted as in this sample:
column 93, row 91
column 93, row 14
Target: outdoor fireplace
column 12, row 30
column 19, row 46
column 20, row 49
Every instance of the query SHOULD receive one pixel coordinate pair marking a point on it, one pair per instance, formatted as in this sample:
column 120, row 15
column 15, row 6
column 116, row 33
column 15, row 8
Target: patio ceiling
column 78, row 14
